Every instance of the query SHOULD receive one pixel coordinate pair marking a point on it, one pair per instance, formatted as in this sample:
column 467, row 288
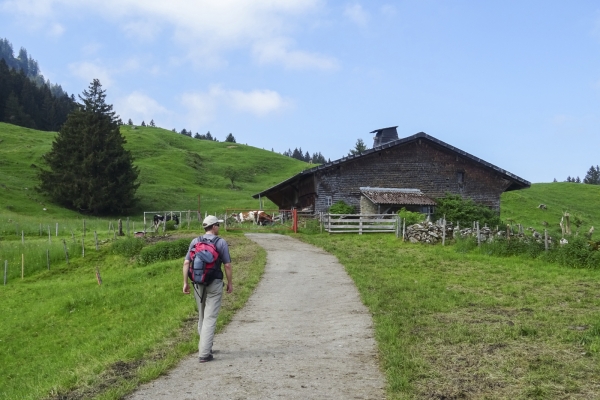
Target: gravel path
column 304, row 334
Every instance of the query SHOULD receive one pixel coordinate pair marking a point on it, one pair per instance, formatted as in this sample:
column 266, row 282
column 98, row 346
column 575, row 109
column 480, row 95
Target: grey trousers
column 208, row 311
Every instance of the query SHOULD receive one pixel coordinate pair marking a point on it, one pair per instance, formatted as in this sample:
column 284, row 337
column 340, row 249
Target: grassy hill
column 174, row 170
column 579, row 200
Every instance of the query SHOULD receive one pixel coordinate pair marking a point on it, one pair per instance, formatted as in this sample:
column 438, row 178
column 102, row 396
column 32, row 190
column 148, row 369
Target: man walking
column 208, row 298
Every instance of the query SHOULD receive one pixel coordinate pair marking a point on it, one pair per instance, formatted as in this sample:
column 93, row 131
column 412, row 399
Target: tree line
column 25, row 98
column 592, row 177
column 316, row 158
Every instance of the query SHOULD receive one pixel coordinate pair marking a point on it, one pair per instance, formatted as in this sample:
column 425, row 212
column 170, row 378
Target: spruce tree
column 359, row 147
column 90, row 170
column 230, row 138
column 593, row 176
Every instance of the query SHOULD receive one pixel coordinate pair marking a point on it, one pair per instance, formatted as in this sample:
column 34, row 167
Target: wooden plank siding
column 416, row 162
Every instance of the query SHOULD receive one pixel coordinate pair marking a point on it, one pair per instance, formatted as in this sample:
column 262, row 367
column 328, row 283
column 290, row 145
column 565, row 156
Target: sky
column 515, row 83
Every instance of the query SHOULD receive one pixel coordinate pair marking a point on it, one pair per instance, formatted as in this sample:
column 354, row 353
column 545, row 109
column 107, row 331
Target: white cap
column 210, row 220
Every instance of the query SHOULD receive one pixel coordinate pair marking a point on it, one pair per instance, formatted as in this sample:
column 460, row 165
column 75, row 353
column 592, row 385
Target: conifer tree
column 230, row 138
column 130, row 122
column 593, row 176
column 152, row 124
column 359, row 147
column 90, row 170
column 143, row 123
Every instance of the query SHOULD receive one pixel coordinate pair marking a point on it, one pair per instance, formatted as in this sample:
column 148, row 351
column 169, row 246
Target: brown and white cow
column 257, row 217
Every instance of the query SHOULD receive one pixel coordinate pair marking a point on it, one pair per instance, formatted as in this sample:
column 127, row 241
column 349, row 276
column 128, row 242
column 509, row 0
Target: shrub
column 576, row 254
column 164, row 251
column 341, row 207
column 127, row 247
column 410, row 216
column 464, row 211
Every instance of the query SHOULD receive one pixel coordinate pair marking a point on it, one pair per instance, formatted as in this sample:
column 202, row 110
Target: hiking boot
column 206, row 359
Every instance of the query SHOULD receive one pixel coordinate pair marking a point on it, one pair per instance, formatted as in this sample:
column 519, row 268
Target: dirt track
column 304, row 334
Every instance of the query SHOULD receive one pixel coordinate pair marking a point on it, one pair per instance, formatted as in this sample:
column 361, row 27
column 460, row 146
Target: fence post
column 295, row 222
column 57, row 229
column 329, row 223
column 444, row 231
column 360, row 224
column 66, row 252
column 96, row 239
column 546, row 239
column 84, row 227
column 82, row 248
column 48, row 259
column 404, row 229
column 22, row 265
column 478, row 237
column 49, row 236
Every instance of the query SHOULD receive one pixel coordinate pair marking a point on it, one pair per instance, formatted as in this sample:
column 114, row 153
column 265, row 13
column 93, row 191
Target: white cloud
column 203, row 107
column 355, row 13
column 208, row 29
column 56, row 30
column 277, row 52
column 139, row 107
column 88, row 71
column 257, row 102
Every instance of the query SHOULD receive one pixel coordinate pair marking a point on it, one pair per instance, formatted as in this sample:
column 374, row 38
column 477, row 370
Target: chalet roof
column 396, row 196
column 518, row 183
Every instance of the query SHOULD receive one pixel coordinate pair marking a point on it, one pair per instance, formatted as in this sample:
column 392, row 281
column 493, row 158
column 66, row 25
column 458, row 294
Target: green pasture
column 455, row 325
column 174, row 170
column 579, row 200
column 64, row 336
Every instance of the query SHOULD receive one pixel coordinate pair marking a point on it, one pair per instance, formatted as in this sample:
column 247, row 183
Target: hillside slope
column 580, row 200
column 174, row 171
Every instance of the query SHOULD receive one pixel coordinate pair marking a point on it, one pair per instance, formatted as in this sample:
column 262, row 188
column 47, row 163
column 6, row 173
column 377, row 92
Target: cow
column 158, row 219
column 258, row 217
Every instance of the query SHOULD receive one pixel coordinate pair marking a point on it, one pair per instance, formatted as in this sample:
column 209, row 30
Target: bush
column 465, row 212
column 341, row 207
column 127, row 247
column 576, row 254
column 410, row 216
column 502, row 247
column 164, row 251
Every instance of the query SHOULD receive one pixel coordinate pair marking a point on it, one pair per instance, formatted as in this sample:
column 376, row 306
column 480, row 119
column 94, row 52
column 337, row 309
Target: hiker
column 208, row 295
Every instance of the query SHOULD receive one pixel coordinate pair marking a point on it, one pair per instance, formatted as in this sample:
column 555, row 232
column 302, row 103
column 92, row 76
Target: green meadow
column 451, row 322
column 456, row 325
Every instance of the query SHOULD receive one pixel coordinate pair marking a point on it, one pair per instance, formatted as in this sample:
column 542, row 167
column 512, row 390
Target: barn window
column 460, row 177
column 328, row 200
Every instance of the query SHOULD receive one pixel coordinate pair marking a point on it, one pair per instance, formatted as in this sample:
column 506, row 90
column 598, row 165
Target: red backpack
column 203, row 261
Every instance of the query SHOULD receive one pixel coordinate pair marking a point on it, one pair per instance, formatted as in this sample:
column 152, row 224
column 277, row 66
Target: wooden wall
column 417, row 165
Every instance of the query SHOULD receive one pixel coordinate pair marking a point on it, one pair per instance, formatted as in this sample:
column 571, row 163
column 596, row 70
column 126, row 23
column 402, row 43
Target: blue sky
column 516, row 83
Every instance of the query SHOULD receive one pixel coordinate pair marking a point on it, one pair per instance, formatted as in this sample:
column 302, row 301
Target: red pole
column 295, row 216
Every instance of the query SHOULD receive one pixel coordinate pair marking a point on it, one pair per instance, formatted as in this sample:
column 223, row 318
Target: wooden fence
column 361, row 223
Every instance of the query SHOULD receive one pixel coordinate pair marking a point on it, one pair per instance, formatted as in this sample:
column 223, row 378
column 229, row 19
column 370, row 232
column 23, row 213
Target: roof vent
column 384, row 135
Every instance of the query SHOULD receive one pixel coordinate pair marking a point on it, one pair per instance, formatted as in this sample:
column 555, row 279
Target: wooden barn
column 410, row 172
